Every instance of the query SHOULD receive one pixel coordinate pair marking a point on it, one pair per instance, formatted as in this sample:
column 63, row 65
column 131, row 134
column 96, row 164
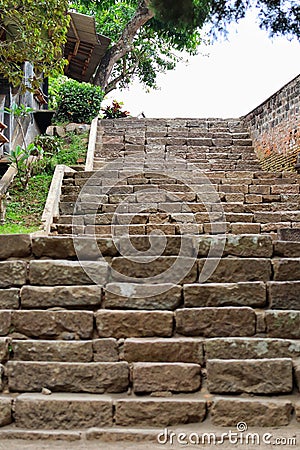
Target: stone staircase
column 166, row 300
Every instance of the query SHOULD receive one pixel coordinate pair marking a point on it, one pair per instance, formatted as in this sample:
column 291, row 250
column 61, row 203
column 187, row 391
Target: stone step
column 97, row 377
column 251, row 348
column 251, row 376
column 84, row 411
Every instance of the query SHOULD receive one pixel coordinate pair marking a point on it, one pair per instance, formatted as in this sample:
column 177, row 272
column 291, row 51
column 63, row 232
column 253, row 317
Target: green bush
column 78, row 102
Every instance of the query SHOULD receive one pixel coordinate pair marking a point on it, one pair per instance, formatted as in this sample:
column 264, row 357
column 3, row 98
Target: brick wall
column 275, row 128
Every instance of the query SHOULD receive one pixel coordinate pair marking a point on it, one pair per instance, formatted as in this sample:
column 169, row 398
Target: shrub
column 78, row 102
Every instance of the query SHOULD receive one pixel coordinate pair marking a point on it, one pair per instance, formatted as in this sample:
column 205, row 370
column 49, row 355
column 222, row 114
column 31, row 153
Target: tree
column 35, row 32
column 147, row 35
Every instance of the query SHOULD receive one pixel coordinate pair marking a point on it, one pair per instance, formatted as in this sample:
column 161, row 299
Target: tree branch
column 142, row 15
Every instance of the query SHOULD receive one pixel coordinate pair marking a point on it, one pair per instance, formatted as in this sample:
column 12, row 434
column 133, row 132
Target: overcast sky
column 237, row 76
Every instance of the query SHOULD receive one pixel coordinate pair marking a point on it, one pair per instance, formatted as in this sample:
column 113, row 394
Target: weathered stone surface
column 61, row 351
column 15, row 245
column 296, row 363
column 60, row 272
column 187, row 350
column 5, row 322
column 212, row 322
column 283, row 324
column 159, row 412
column 284, row 295
column 12, row 273
column 48, row 297
column 105, row 350
column 53, row 324
column 9, row 298
column 225, row 294
column 123, row 324
column 234, row 270
column 5, row 411
column 37, row 411
column 249, row 246
column 159, row 270
column 252, row 376
column 174, row 377
column 287, row 249
column 4, row 343
column 227, row 412
column 297, row 410
column 165, row 245
column 68, row 377
column 137, row 296
column 286, row 269
column 251, row 348
column 1, row 377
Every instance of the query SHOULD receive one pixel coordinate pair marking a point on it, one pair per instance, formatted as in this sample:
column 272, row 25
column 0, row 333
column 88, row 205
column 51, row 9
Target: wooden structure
column 84, row 48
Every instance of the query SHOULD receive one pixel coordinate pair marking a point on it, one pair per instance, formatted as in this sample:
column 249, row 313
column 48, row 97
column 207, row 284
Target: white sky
column 237, row 76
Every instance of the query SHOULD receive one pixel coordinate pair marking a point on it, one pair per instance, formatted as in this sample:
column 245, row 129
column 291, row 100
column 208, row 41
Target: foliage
column 24, row 160
column 55, row 83
column 147, row 36
column 68, row 150
column 114, row 111
column 35, row 32
column 78, row 102
column 24, row 208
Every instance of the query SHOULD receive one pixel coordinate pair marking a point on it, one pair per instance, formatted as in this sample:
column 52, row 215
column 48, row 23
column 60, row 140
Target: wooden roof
column 84, row 48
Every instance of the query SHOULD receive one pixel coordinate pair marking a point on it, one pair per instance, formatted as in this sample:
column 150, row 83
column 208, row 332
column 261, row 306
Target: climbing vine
column 35, row 32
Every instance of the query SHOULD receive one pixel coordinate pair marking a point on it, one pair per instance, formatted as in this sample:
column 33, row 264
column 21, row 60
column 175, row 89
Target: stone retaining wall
column 275, row 128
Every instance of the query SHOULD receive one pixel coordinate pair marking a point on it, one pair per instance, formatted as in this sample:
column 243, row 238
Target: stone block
column 15, row 246
column 249, row 246
column 258, row 412
column 155, row 270
column 159, row 377
column 9, row 298
column 225, row 294
column 284, row 295
column 159, row 412
column 53, row 324
column 65, row 296
column 252, row 376
column 95, row 378
column 5, row 322
column 105, row 350
column 146, row 296
column 61, row 351
column 12, row 273
column 234, row 270
column 286, row 269
column 60, row 272
column 283, row 324
column 251, row 348
column 5, row 411
column 212, row 322
column 4, row 343
column 37, row 411
column 186, row 350
column 245, row 228
column 124, row 324
column 62, row 247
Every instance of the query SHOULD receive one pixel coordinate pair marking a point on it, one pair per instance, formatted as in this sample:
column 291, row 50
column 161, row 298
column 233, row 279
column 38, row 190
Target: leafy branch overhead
column 147, row 36
column 35, row 32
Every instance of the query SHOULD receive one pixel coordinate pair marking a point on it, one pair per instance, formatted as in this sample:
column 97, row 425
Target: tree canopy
column 147, row 36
